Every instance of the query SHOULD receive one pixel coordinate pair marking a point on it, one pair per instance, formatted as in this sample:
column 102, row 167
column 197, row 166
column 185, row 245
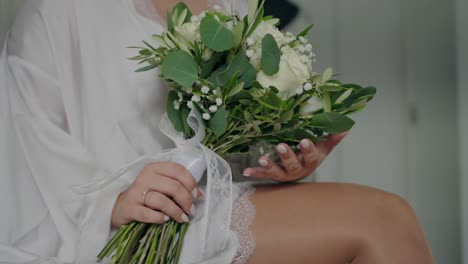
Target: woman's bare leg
column 335, row 223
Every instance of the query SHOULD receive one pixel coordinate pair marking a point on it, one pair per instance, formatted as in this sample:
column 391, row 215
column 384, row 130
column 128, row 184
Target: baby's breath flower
column 289, row 34
column 176, row 105
column 195, row 99
column 299, row 90
column 189, row 90
column 213, row 108
column 249, row 53
column 301, row 48
column 206, row 116
column 303, row 40
column 250, row 41
column 190, row 104
column 219, row 101
column 308, row 86
column 205, row 90
column 308, row 47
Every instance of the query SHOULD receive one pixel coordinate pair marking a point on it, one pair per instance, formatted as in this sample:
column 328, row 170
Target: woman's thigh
column 319, row 222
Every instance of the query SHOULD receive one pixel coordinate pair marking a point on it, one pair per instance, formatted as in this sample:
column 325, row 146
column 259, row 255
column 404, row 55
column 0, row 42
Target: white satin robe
column 65, row 85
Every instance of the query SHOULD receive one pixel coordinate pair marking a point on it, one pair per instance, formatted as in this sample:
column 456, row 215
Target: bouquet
column 252, row 87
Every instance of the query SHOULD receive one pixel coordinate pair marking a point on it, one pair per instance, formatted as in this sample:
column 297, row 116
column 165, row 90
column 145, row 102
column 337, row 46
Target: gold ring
column 144, row 195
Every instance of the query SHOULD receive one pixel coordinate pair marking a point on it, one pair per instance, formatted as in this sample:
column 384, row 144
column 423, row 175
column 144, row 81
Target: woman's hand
column 294, row 166
column 163, row 190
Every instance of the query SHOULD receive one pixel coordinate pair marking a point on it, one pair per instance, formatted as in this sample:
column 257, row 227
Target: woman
column 66, row 101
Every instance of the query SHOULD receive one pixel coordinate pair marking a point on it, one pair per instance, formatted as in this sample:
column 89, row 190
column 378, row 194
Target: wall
column 462, row 48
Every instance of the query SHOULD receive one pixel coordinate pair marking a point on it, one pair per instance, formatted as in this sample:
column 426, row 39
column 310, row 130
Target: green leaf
column 327, row 75
column 147, row 68
column 238, row 33
column 253, row 6
column 169, row 21
column 173, row 114
column 240, row 66
column 327, row 105
column 218, row 122
column 343, row 96
column 305, row 31
column 215, row 35
column 180, row 67
column 271, row 55
column 332, row 123
column 184, row 11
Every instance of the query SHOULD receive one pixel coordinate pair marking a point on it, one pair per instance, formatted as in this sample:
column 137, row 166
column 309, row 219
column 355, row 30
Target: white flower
column 308, row 47
column 301, row 48
column 188, row 90
column 250, row 41
column 213, row 108
column 312, row 105
column 202, row 15
column 194, row 19
column 190, row 104
column 205, row 90
column 249, row 53
column 292, row 73
column 219, row 101
column 216, row 7
column 299, row 90
column 303, row 40
column 195, row 99
column 308, row 86
column 265, row 28
column 187, row 33
column 206, row 116
column 176, row 105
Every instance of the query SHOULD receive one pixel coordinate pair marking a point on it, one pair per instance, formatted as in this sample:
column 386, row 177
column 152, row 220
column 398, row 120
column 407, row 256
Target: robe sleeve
column 43, row 219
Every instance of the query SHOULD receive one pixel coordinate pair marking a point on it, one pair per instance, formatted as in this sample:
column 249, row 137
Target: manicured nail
column 282, row 149
column 192, row 210
column 195, row 193
column 247, row 173
column 166, row 218
column 263, row 162
column 305, row 143
column 184, row 218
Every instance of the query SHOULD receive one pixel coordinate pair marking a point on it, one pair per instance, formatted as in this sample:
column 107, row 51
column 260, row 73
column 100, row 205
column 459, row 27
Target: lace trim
column 243, row 213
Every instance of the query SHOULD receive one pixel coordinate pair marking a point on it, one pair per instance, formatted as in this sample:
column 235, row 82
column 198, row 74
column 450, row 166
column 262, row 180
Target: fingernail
column 166, row 218
column 195, row 193
column 192, row 210
column 247, row 173
column 201, row 193
column 263, row 162
column 184, row 218
column 281, row 149
column 305, row 143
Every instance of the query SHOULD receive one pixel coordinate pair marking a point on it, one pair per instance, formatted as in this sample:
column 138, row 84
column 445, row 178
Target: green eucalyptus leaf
column 238, row 33
column 180, row 67
column 174, row 114
column 218, row 122
column 147, row 68
column 271, row 55
column 332, row 123
column 215, row 35
column 183, row 10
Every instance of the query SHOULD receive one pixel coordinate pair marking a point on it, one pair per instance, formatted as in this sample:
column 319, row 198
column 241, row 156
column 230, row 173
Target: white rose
column 292, row 73
column 265, row 28
column 312, row 105
column 186, row 33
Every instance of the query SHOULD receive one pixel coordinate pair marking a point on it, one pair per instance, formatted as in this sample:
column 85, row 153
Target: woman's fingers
column 311, row 157
column 177, row 172
column 147, row 215
column 168, row 187
column 289, row 160
column 326, row 147
column 268, row 170
column 162, row 203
